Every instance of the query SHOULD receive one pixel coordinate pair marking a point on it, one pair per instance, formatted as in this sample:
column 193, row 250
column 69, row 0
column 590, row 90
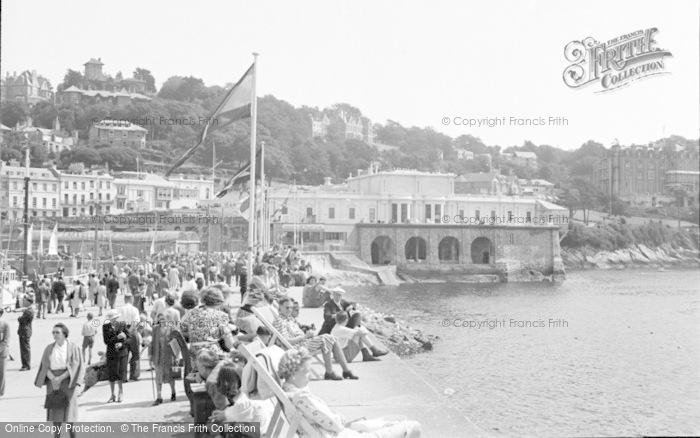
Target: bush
column 612, row 236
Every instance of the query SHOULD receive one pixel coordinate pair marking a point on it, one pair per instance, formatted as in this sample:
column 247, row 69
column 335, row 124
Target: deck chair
column 277, row 336
column 284, row 408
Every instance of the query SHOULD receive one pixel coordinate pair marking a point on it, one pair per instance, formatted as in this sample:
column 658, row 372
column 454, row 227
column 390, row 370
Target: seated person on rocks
column 294, row 369
column 238, row 407
column 335, row 305
column 354, row 340
column 326, row 344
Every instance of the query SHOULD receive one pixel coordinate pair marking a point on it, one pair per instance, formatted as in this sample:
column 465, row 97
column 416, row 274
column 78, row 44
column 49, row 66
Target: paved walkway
column 384, row 388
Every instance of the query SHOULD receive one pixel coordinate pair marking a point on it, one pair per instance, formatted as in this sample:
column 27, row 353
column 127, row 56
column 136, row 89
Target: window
column 284, row 209
column 14, row 201
column 66, row 198
column 107, row 185
column 82, row 199
column 14, row 185
column 65, row 185
column 331, row 212
column 92, row 196
column 528, row 217
column 461, row 214
column 33, row 202
column 75, row 185
column 404, row 213
column 53, row 187
column 438, row 213
column 53, row 202
column 477, row 214
column 92, row 184
column 111, row 133
column 45, row 187
column 82, row 185
column 43, row 202
column 372, row 214
column 309, row 211
column 125, row 134
column 82, row 212
column 34, row 186
column 394, row 212
column 351, row 213
column 428, row 211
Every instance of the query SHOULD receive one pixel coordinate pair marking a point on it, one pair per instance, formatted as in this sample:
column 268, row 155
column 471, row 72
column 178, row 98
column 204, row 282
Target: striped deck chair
column 265, row 315
column 284, row 408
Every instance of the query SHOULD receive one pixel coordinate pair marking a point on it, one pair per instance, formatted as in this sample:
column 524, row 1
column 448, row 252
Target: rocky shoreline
column 395, row 334
column 637, row 256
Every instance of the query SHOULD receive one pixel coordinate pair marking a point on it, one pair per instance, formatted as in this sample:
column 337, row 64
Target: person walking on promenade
column 101, row 296
column 25, row 334
column 53, row 300
column 61, row 371
column 174, row 277
column 130, row 316
column 42, row 298
column 59, row 289
column 92, row 288
column 77, row 297
column 89, row 331
column 115, row 335
column 4, row 350
column 112, row 290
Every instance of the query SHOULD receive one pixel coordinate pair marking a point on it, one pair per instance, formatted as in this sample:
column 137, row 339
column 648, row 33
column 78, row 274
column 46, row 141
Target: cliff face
column 632, row 257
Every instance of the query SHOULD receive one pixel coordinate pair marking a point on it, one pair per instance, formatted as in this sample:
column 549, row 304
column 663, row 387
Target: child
column 352, row 340
column 89, row 332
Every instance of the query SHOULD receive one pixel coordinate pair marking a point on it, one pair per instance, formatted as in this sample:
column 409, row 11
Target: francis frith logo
column 615, row 63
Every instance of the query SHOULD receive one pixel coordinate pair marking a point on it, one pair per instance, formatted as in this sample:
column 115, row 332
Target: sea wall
column 636, row 256
column 395, row 334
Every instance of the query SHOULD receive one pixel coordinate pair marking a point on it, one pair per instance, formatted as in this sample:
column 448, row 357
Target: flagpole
column 253, row 127
column 261, row 230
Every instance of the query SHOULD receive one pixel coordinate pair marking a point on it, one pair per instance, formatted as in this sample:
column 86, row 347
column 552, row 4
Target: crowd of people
column 193, row 295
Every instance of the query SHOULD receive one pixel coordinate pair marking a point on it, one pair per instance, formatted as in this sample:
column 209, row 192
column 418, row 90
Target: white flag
column 53, row 241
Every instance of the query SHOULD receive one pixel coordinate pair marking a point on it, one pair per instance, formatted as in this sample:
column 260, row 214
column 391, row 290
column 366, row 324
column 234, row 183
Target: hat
column 338, row 290
column 212, row 297
column 111, row 315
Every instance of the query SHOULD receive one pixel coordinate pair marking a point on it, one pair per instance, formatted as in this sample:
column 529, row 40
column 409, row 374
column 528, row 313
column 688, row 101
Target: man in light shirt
column 190, row 284
column 352, row 339
column 130, row 316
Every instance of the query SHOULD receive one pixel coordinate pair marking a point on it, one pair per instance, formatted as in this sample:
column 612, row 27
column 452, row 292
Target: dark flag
column 235, row 106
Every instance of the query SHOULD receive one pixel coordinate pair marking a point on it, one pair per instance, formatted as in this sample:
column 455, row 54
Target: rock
column 427, row 345
column 390, row 319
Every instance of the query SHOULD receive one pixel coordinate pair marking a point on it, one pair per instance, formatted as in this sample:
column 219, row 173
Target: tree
column 72, row 78
column 119, row 76
column 679, row 194
column 13, row 112
column 119, row 158
column 44, row 115
column 145, row 75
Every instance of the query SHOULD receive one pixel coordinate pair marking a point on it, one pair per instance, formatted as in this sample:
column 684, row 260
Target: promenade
column 387, row 387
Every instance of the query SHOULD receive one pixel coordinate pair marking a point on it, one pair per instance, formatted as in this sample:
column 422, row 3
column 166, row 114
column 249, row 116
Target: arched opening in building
column 481, row 251
column 415, row 249
column 382, row 251
column 448, row 249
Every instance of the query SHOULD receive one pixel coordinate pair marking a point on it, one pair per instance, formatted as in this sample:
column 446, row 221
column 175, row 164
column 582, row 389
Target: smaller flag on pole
column 240, row 176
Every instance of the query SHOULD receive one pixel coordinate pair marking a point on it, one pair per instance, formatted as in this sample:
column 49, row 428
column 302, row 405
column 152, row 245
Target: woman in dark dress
column 115, row 336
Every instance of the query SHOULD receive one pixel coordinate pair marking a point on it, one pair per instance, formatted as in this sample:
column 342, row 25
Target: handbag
column 176, row 373
column 56, row 399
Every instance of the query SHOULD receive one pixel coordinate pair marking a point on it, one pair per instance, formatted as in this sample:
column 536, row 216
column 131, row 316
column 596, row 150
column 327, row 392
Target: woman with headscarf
column 161, row 353
column 61, row 370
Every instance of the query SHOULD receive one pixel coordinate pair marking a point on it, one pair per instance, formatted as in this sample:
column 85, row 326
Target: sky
column 413, row 62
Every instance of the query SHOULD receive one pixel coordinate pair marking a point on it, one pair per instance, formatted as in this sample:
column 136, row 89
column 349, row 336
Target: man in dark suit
column 59, row 289
column 25, row 334
column 112, row 290
column 338, row 304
